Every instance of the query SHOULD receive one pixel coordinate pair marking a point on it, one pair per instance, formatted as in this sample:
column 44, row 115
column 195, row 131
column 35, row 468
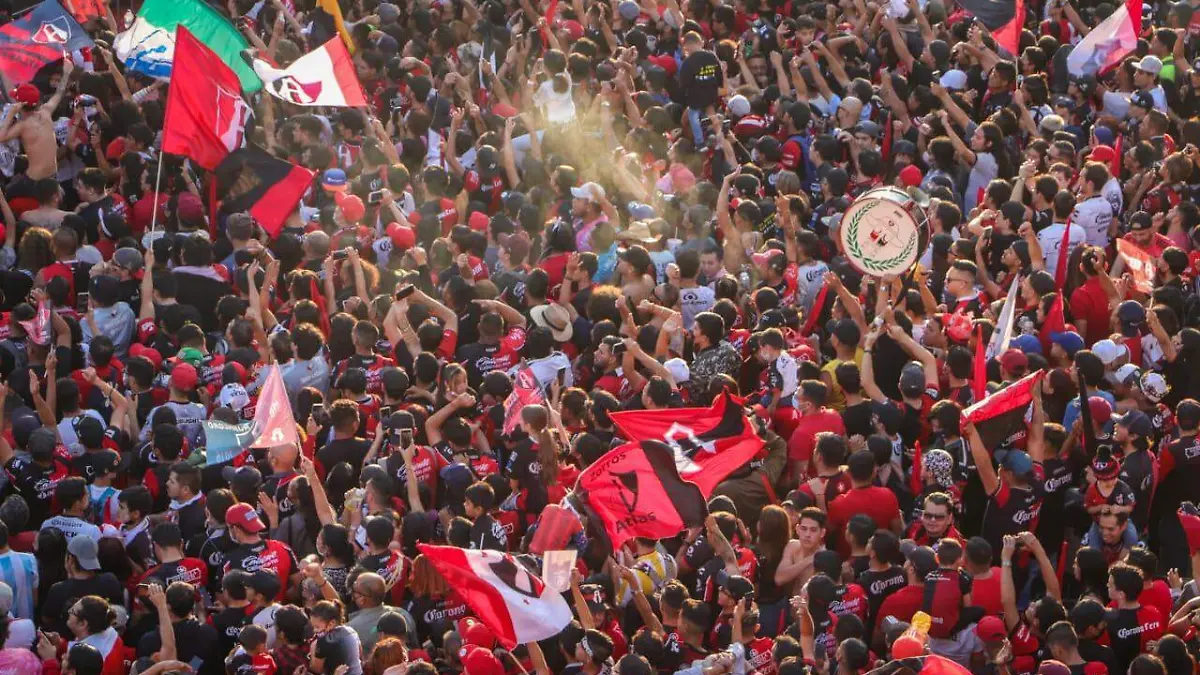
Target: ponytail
column 538, row 417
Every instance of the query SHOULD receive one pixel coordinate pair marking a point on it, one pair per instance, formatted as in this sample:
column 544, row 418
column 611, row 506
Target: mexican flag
column 148, row 46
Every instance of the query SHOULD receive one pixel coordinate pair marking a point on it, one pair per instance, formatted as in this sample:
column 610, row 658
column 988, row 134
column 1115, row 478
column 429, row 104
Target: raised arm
column 983, row 459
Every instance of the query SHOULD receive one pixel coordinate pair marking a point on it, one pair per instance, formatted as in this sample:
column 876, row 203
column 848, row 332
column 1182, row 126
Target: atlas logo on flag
column 684, row 445
column 628, row 481
column 291, row 89
column 53, row 32
column 232, row 113
column 516, row 577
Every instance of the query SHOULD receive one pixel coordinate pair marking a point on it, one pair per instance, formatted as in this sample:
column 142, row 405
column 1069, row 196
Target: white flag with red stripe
column 517, row 605
column 1108, row 43
column 324, row 76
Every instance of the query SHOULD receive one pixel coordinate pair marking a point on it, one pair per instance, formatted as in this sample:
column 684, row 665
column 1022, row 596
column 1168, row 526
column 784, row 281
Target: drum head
column 879, row 234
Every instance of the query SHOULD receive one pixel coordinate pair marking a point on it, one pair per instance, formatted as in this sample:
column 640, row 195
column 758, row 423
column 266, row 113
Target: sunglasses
column 934, row 516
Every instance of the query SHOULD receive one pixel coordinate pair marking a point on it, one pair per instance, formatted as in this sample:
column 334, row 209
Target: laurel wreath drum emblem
column 880, row 237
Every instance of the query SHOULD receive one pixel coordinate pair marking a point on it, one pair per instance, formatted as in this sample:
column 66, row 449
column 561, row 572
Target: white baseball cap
column 1150, row 64
column 233, row 395
column 592, row 192
column 1109, row 351
column 678, row 369
column 954, row 79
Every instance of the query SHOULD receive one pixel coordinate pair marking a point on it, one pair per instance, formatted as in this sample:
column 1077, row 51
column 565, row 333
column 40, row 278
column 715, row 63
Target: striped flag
column 1108, row 43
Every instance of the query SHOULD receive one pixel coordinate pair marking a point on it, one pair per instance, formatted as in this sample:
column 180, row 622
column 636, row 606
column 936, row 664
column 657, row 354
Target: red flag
column 206, row 118
column 708, row 443
column 818, row 307
column 1055, row 323
column 550, row 12
column 515, row 603
column 252, row 179
column 38, row 328
column 1115, row 165
column 636, row 491
column 273, row 421
column 526, row 391
column 1000, row 418
column 979, row 374
column 1009, row 35
column 1064, row 250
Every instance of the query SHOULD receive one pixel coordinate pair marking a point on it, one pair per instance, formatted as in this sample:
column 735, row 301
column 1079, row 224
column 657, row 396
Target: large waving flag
column 44, row 35
column 1004, row 18
column 273, row 420
column 708, row 443
column 526, row 391
column 252, row 179
column 1000, row 418
column 1108, row 43
column 148, row 46
column 636, row 491
column 322, row 77
column 515, row 603
column 1004, row 325
column 206, row 118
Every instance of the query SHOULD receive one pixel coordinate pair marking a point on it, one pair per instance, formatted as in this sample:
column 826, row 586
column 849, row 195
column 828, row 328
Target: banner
column 1000, row 418
column 636, row 491
column 526, row 391
column 273, row 420
column 708, row 444
column 269, row 188
column 1139, row 263
column 224, row 441
column 44, row 35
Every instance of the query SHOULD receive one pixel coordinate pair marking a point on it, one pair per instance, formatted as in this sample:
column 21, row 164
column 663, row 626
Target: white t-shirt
column 692, row 301
column 72, row 527
column 985, row 171
column 1094, row 215
column 1051, row 238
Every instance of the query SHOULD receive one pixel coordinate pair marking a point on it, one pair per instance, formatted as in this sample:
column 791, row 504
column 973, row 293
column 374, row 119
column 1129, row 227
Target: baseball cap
column 596, row 596
column 1018, row 462
column 26, row 93
column 1154, row 386
column 1028, row 344
column 679, row 370
column 1104, row 465
column 869, row 128
column 1100, row 408
column 991, row 629
column 954, row 80
column 1142, row 99
column 403, row 238
column 478, row 221
column 923, row 560
column 89, row 430
column 1132, row 315
column 763, row 258
column 1052, row 667
column 128, row 258
column 1102, row 153
column 1137, row 422
column 479, row 661
column 589, row 191
column 244, row 516
column 85, row 550
column 1108, row 351
column 474, row 633
column 149, row 353
column 1127, row 375
column 1051, row 124
column 334, row 180
column 739, row 106
column 912, row 379
column 242, row 476
column 184, row 377
column 190, row 355
column 233, row 395
column 1070, row 341
column 737, row 586
column 351, row 206
column 910, row 175
column 1150, row 64
column 1014, row 360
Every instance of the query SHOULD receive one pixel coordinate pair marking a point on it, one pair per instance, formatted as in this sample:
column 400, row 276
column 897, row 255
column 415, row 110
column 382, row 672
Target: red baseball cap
column 351, row 206
column 244, row 516
column 475, row 634
column 26, row 93
column 479, row 221
column 184, row 377
column 1102, row 153
column 991, row 629
column 573, row 28
column 402, row 237
column 911, row 176
column 478, row 661
column 1014, row 360
column 666, row 62
column 149, row 353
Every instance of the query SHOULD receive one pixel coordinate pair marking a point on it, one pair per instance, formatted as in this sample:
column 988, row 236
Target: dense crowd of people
column 639, row 203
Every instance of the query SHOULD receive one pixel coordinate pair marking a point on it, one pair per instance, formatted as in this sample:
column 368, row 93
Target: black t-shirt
column 229, row 622
column 213, row 549
column 64, row 594
column 36, row 483
column 192, row 519
column 878, row 586
column 192, row 640
column 349, row 450
column 486, row 533
column 857, row 419
column 525, row 467
column 700, row 79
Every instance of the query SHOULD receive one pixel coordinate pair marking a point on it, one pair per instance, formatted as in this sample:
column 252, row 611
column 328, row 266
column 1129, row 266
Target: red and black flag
column 44, row 35
column 707, row 444
column 1000, row 418
column 252, row 179
column 1004, row 18
column 636, row 491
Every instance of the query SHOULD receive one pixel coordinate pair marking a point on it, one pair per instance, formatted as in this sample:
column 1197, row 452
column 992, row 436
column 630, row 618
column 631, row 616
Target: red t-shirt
column 877, row 502
column 1089, row 303
column 803, row 440
column 985, row 593
column 902, row 604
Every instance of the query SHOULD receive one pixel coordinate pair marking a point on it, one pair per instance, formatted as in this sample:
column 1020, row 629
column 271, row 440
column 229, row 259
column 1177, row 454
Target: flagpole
column 157, row 181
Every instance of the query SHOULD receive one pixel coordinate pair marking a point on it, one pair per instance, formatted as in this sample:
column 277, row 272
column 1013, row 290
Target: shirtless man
column 36, row 128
